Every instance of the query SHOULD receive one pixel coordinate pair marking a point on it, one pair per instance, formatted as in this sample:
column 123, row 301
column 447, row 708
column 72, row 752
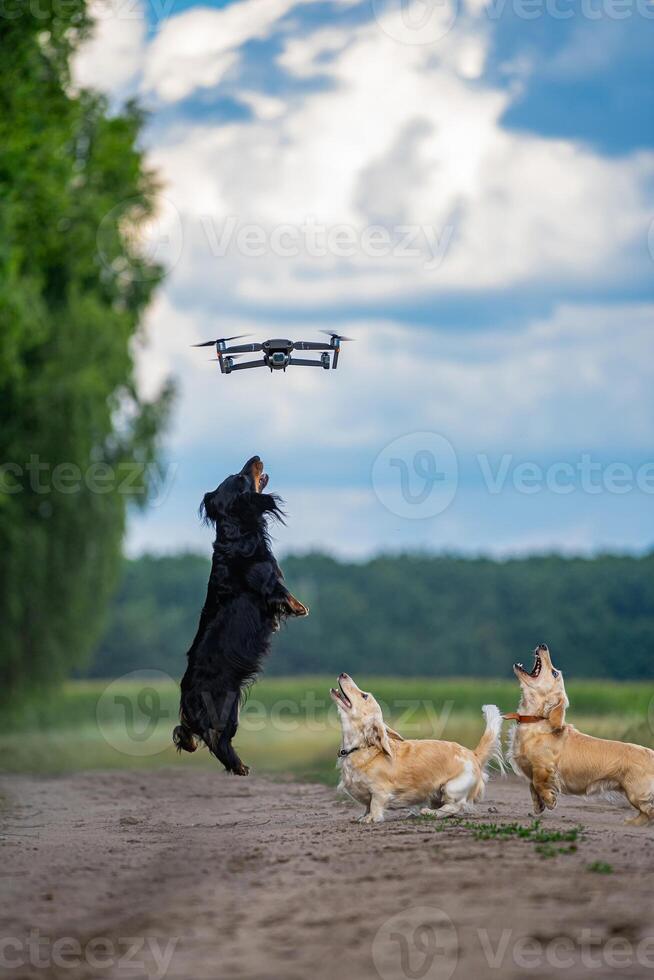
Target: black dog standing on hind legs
column 246, row 602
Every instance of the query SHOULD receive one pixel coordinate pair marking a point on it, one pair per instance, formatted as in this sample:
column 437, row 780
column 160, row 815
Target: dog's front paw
column 536, row 800
column 241, row 770
column 368, row 818
column 549, row 800
column 640, row 820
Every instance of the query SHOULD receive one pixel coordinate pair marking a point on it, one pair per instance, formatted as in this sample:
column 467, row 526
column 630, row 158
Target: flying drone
column 277, row 355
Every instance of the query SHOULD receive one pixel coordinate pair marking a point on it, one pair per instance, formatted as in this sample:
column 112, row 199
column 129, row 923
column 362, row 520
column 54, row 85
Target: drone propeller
column 221, row 340
column 336, row 336
column 335, row 340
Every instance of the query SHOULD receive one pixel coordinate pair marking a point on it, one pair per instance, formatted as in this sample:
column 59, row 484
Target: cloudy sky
column 466, row 187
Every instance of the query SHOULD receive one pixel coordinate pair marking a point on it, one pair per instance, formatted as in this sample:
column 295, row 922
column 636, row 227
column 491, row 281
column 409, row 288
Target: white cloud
column 394, row 134
column 197, row 48
column 263, row 106
column 112, row 58
column 399, row 135
column 402, row 133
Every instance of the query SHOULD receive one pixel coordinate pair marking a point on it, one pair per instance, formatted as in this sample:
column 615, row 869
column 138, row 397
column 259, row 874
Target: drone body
column 276, row 354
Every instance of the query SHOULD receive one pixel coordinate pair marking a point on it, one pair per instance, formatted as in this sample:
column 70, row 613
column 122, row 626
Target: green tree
column 71, row 419
column 410, row 615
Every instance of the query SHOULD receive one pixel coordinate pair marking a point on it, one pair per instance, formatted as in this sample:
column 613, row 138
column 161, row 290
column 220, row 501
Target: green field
column 288, row 725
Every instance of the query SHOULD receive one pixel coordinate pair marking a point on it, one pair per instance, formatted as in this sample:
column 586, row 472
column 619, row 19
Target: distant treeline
column 407, row 615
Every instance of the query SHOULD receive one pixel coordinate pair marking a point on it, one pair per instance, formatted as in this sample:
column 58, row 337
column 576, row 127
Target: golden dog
column 381, row 769
column 556, row 758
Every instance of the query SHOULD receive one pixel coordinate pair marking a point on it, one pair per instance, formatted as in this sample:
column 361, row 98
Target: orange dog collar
column 523, row 719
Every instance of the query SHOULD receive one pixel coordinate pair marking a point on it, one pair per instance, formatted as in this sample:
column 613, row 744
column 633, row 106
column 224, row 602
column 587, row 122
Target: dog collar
column 523, row 719
column 343, row 752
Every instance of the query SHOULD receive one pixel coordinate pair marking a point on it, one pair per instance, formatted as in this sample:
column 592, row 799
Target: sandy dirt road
column 195, row 875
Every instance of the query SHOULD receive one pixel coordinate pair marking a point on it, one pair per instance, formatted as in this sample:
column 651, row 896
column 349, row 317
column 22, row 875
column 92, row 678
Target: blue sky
column 465, row 187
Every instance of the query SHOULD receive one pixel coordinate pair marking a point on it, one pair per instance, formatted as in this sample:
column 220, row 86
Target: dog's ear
column 207, row 510
column 267, row 503
column 376, row 735
column 556, row 716
column 394, row 735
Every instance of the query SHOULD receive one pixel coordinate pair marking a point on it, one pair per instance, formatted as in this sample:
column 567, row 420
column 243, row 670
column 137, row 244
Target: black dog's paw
column 241, row 770
column 184, row 739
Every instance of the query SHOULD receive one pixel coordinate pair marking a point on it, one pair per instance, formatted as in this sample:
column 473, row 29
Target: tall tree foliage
column 71, row 419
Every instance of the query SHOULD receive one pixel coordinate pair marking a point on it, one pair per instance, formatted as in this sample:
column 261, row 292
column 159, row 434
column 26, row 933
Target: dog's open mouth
column 259, row 478
column 340, row 696
column 262, row 482
column 536, row 669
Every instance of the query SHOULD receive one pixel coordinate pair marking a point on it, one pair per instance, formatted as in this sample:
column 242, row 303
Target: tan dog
column 556, row 758
column 381, row 769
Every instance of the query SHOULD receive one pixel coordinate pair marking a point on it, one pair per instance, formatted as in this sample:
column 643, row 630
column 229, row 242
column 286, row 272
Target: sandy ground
column 195, row 875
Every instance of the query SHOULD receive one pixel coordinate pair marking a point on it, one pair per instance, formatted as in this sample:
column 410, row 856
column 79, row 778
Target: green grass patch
column 416, row 701
column 600, row 868
column 288, row 725
column 549, row 851
column 547, row 842
column 534, row 832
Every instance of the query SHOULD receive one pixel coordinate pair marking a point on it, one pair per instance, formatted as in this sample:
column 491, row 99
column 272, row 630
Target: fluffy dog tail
column 490, row 743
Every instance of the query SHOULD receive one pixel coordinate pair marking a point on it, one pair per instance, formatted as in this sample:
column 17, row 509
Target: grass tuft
column 600, row 868
column 544, row 840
